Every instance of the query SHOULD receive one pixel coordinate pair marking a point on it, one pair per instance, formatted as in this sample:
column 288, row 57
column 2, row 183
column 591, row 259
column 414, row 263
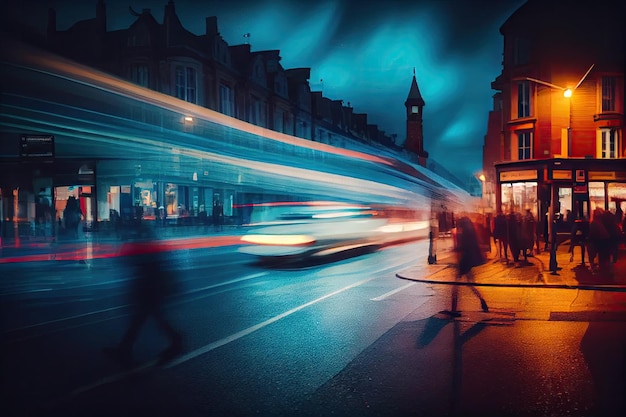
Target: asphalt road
column 345, row 338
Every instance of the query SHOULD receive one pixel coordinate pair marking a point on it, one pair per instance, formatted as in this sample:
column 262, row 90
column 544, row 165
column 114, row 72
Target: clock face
column 415, row 109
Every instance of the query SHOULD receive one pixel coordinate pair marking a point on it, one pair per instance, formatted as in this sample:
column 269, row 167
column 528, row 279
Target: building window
column 523, row 99
column 186, row 84
column 226, row 100
column 608, row 93
column 521, row 52
column 596, row 197
column 524, row 146
column 139, row 74
column 254, row 113
column 279, row 119
column 518, row 197
column 608, row 143
column 617, row 198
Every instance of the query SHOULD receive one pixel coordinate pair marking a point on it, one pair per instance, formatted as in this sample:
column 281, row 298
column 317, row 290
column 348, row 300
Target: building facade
column 555, row 135
column 199, row 70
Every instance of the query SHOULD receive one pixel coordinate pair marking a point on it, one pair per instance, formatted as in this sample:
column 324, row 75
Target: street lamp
column 567, row 93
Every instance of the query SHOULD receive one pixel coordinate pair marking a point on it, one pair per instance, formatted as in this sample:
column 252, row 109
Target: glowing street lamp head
column 567, row 93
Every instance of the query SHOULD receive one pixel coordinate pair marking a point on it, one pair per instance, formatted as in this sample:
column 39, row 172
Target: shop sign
column 580, row 189
column 580, row 175
column 37, row 146
column 597, row 175
column 561, row 174
column 511, row 176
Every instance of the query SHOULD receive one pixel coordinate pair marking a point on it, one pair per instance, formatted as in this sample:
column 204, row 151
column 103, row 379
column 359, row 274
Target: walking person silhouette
column 469, row 255
column 151, row 284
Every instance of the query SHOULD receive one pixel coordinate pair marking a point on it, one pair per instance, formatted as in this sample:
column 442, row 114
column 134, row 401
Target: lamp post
column 567, row 93
column 481, row 178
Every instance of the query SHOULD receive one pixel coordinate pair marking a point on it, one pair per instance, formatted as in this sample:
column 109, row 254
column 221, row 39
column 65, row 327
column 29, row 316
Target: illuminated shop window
column 229, row 202
column 519, row 196
column 145, row 197
column 596, row 196
column 617, row 198
column 171, row 199
column 565, row 199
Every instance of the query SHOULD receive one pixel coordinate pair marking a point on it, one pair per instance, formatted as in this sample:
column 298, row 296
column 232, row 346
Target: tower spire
column 414, row 129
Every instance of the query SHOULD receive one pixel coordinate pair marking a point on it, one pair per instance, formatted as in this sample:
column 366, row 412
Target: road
column 343, row 338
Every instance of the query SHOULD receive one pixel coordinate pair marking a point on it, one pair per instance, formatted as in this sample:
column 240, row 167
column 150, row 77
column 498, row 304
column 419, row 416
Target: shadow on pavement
column 601, row 347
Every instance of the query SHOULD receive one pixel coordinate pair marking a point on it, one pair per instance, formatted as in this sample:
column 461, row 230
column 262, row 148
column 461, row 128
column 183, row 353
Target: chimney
column 211, row 26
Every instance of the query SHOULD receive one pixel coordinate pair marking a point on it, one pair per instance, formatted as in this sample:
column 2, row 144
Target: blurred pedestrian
column 218, row 215
column 619, row 213
column 500, row 235
column 72, row 216
column 514, row 226
column 469, row 255
column 615, row 236
column 528, row 230
column 482, row 233
column 116, row 222
column 150, row 285
column 598, row 242
column 568, row 221
column 578, row 237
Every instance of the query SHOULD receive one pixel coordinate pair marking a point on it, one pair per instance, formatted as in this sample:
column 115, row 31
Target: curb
column 611, row 288
column 542, row 284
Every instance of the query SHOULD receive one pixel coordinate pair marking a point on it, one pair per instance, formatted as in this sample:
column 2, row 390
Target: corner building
column 559, row 101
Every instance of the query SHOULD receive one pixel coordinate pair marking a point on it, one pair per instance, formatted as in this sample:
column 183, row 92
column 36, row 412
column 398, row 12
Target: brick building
column 555, row 135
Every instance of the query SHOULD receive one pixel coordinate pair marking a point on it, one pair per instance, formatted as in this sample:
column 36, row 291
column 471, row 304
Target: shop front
column 560, row 188
column 36, row 198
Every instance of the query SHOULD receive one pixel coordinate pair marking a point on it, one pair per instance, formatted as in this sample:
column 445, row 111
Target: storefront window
column 145, row 198
column 596, row 196
column 519, row 197
column 617, row 199
column 171, row 199
column 229, row 202
column 565, row 200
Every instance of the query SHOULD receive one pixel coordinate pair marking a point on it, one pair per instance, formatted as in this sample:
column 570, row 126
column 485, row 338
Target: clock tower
column 414, row 104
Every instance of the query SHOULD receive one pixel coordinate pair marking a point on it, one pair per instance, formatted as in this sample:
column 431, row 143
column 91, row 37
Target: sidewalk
column 498, row 273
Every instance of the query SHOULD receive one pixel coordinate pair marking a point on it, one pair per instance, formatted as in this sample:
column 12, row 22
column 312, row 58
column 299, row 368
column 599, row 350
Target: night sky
column 359, row 51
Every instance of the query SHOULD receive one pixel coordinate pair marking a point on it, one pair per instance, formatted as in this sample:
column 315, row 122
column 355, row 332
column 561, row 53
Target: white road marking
column 218, row 343
column 214, row 345
column 392, row 292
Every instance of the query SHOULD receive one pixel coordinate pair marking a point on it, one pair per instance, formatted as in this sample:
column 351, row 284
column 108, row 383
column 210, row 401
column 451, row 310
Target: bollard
column 432, row 257
column 554, row 266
